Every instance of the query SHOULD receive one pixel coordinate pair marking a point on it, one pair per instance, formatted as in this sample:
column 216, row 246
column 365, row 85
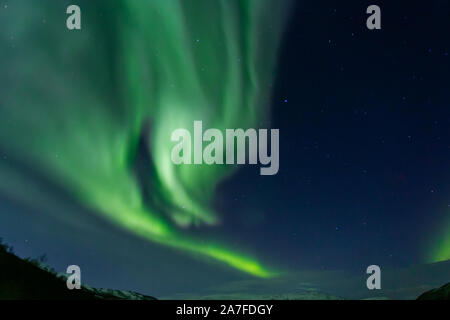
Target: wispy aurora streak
column 75, row 105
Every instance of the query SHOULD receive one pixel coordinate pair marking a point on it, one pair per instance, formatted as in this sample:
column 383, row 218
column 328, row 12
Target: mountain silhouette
column 442, row 293
column 27, row 279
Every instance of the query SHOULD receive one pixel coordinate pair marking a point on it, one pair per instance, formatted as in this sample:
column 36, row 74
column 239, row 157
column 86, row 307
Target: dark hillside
column 27, row 279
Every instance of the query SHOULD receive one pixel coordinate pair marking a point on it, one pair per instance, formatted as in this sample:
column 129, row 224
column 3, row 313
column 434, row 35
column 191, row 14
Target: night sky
column 364, row 149
column 364, row 121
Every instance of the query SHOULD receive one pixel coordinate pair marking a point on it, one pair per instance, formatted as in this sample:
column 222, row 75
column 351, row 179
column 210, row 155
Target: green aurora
column 441, row 243
column 76, row 106
column 79, row 103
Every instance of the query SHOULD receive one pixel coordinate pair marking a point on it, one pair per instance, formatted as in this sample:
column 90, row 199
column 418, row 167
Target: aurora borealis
column 363, row 135
column 162, row 70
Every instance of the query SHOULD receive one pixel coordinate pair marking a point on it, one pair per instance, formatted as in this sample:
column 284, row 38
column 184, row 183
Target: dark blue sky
column 364, row 123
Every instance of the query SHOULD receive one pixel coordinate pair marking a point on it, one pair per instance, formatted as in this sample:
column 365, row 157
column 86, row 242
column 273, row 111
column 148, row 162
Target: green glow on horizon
column 75, row 105
column 440, row 248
